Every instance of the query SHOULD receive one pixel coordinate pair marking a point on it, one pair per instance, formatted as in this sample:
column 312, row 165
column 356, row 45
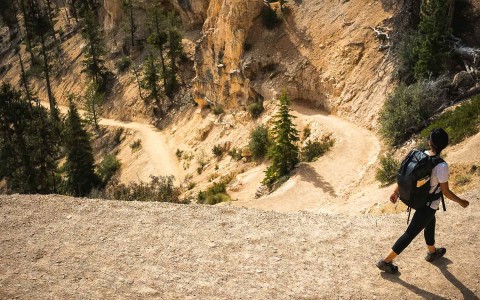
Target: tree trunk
column 24, row 78
column 51, row 99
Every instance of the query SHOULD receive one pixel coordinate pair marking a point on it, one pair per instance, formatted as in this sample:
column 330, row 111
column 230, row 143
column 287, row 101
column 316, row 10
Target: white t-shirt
column 439, row 175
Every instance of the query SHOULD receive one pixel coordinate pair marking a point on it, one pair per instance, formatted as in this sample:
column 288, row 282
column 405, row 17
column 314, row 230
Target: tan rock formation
column 219, row 51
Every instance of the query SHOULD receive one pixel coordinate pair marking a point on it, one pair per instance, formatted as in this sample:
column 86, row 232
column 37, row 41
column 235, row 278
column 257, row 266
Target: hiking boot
column 439, row 252
column 390, row 268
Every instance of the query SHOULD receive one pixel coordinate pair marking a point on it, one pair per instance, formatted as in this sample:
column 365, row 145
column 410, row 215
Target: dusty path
column 324, row 184
column 54, row 247
column 162, row 161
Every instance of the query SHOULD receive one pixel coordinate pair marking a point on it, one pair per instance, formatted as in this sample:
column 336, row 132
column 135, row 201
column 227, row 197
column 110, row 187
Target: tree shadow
column 415, row 289
column 309, row 174
column 442, row 265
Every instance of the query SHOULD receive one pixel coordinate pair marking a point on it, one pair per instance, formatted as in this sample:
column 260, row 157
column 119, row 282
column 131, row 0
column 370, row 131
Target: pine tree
column 283, row 154
column 93, row 101
column 158, row 37
column 28, row 144
column 41, row 27
column 431, row 47
column 16, row 166
column 95, row 49
column 79, row 168
column 150, row 79
column 175, row 51
column 127, row 6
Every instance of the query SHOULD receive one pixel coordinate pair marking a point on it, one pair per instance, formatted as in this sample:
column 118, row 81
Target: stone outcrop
column 192, row 12
column 220, row 50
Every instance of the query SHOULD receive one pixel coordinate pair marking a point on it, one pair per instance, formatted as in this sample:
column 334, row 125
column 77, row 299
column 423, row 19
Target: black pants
column 424, row 218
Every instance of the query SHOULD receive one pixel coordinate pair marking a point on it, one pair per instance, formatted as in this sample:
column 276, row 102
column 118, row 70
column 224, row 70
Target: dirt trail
column 55, row 247
column 325, row 184
column 162, row 160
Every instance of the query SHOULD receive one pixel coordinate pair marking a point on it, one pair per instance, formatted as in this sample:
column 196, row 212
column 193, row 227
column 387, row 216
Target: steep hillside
column 58, row 247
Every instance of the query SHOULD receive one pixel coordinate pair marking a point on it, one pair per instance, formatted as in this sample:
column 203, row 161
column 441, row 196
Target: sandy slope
column 66, row 248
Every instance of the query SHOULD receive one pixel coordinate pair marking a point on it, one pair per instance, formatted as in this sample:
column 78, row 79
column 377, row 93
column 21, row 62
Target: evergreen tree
column 79, row 168
column 431, row 47
column 16, row 166
column 28, row 144
column 41, row 25
column 158, row 37
column 283, row 154
column 95, row 48
column 127, row 6
column 29, row 43
column 150, row 79
column 93, row 101
column 175, row 51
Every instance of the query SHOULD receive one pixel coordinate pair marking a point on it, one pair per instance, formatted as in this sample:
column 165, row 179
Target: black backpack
column 413, row 179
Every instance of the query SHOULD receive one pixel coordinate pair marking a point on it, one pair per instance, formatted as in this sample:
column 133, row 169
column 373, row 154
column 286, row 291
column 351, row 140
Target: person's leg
column 420, row 219
column 429, row 234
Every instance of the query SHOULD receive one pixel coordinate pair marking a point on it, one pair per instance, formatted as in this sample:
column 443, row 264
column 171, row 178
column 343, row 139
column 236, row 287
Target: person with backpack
column 411, row 183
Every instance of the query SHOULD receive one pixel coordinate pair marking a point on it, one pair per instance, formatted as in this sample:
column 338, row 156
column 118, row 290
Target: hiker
column 424, row 217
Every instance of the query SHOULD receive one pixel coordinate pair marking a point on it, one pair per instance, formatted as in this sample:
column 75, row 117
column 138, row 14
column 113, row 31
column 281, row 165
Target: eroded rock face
column 192, row 12
column 219, row 51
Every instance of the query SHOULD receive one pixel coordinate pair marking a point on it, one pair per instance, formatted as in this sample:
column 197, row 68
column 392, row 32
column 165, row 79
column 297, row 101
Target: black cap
column 439, row 139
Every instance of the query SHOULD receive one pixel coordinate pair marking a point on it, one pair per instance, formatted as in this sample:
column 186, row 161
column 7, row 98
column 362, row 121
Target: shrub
column 123, row 64
column 179, row 154
column 387, row 172
column 235, row 153
column 255, row 109
column 316, row 148
column 259, row 142
column 159, row 189
column 107, row 168
column 407, row 108
column 459, row 123
column 217, row 150
column 117, row 136
column 218, row 110
column 136, row 145
column 216, row 193
column 202, row 161
column 270, row 18
column 307, row 131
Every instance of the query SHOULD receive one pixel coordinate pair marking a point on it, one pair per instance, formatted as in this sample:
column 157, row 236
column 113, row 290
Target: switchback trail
column 153, row 143
column 324, row 184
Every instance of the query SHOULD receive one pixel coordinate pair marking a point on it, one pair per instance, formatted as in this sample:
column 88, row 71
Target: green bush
column 218, row 110
column 159, row 189
column 387, row 172
column 123, row 64
column 270, row 18
column 255, row 109
column 235, row 153
column 117, row 136
column 307, row 131
column 459, row 123
column 316, row 148
column 217, row 150
column 136, row 144
column 107, row 168
column 259, row 142
column 214, row 194
column 407, row 108
column 179, row 154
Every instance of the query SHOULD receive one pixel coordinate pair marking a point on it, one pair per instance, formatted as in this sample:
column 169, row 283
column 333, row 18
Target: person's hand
column 394, row 197
column 464, row 203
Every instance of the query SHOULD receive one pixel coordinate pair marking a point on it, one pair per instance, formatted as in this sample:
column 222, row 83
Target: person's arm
column 394, row 195
column 451, row 195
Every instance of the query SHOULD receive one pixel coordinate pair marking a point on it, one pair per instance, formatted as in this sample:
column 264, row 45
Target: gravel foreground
column 58, row 247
